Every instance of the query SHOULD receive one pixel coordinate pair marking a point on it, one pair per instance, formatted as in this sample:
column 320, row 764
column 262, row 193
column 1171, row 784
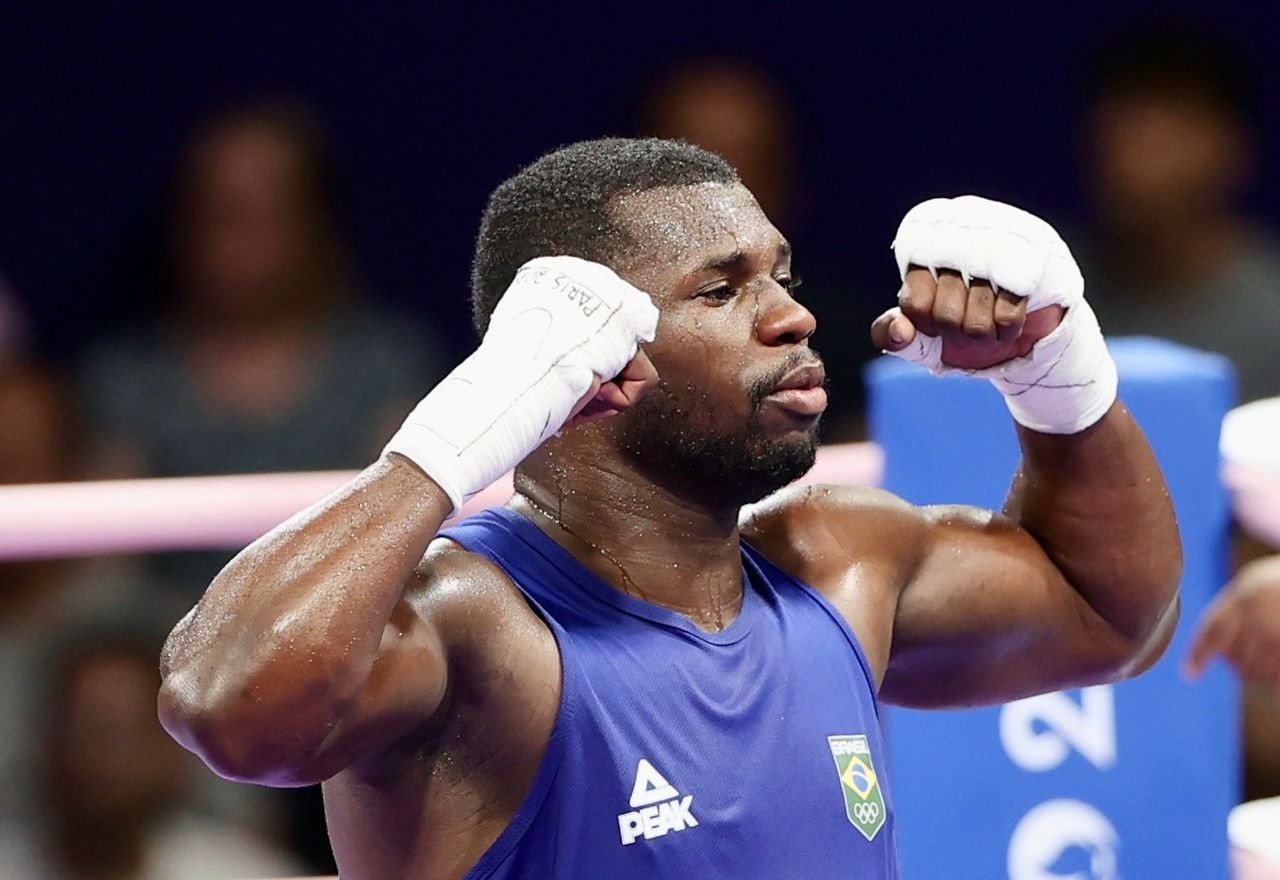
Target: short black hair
column 560, row 204
column 1181, row 57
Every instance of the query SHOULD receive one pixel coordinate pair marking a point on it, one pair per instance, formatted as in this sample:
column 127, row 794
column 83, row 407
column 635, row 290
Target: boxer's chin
column 674, row 443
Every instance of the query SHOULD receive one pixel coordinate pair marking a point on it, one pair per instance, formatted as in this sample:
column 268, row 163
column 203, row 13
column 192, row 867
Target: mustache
column 762, row 387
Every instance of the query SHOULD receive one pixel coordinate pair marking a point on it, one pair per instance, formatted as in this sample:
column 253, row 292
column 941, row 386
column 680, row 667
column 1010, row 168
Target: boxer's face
column 729, row 334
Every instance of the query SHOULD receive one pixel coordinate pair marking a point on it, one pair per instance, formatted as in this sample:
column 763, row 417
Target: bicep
column 986, row 617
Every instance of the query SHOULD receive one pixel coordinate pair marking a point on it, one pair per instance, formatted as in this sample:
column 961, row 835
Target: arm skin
column 306, row 635
column 1075, row 584
column 326, row 643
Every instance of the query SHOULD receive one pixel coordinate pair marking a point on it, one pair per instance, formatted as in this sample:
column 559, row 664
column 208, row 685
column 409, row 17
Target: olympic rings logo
column 866, row 813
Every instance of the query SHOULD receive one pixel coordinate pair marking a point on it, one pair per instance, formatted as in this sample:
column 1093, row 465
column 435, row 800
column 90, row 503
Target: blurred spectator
column 42, row 601
column 13, row 328
column 1172, row 142
column 1243, row 626
column 36, row 446
column 734, row 109
column 114, row 782
column 40, row 443
column 1171, row 148
column 266, row 357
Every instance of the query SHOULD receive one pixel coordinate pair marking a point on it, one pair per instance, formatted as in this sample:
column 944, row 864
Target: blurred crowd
column 265, row 352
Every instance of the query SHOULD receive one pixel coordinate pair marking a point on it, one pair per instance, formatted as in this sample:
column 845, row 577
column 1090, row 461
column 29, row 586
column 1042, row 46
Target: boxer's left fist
column 978, row 326
column 992, row 291
column 981, row 280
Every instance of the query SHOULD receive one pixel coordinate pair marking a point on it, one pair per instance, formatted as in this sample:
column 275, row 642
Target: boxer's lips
column 801, row 392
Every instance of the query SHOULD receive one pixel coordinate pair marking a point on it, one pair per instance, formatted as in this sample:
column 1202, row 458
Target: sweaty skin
column 351, row 646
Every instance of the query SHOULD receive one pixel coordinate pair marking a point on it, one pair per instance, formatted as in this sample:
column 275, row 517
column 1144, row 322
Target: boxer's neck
column 638, row 537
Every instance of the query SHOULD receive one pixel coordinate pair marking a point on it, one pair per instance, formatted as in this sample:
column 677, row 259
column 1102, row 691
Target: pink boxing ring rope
column 49, row 520
column 200, row 513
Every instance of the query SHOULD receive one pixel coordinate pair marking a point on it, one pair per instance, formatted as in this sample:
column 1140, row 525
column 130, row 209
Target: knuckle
column 915, row 313
column 948, row 317
column 913, row 296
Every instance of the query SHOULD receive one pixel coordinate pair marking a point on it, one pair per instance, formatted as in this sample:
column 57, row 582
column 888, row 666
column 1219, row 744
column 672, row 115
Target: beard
column 669, row 436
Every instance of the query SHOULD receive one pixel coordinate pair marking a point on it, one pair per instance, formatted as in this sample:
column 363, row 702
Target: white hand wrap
column 562, row 322
column 1068, row 380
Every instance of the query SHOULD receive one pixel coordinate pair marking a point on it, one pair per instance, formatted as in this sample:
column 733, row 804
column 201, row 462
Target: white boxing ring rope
column 1250, row 445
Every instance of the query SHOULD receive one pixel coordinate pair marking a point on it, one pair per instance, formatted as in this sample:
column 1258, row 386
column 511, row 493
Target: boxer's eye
column 790, row 282
column 722, row 293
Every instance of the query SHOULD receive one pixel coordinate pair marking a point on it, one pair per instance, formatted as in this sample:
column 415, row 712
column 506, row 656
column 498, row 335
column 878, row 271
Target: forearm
column 290, row 629
column 1097, row 503
column 302, row 656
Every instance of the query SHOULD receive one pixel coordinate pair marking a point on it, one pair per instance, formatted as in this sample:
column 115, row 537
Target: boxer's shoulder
column 503, row 668
column 456, row 785
column 858, row 546
column 819, row 533
column 492, row 639
column 479, row 612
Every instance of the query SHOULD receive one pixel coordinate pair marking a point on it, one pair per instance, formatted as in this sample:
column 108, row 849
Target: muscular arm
column 306, row 635
column 309, row 653
column 1077, row 583
column 1074, row 585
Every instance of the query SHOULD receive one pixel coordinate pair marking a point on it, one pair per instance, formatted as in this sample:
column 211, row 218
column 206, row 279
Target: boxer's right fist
column 563, row 344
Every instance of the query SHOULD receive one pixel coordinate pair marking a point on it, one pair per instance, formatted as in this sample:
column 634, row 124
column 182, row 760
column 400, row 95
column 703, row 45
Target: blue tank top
column 754, row 752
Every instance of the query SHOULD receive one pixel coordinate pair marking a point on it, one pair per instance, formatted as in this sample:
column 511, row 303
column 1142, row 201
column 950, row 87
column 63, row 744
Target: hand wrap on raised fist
column 1068, row 379
column 562, row 322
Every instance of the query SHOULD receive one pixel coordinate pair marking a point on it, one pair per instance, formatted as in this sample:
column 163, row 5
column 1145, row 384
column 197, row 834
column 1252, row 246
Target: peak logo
column 656, row 807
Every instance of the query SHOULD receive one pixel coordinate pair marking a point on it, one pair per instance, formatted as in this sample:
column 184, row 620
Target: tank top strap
column 490, row 535
column 775, row 576
column 495, row 534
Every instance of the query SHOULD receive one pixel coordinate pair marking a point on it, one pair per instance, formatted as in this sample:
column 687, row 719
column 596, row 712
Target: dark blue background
column 431, row 105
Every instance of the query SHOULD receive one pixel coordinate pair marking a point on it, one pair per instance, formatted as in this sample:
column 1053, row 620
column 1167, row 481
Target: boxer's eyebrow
column 727, row 261
column 739, row 256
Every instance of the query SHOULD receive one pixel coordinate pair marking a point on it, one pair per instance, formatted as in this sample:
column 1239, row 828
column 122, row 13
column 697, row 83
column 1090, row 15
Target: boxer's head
column 674, row 220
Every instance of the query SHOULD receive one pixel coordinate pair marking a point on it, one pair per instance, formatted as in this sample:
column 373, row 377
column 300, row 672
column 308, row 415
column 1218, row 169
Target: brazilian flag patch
column 863, row 801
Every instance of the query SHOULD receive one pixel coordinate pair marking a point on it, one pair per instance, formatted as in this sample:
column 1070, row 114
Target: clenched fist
column 992, row 291
column 979, row 327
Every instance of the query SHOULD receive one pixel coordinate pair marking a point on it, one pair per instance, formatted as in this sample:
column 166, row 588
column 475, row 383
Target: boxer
column 657, row 660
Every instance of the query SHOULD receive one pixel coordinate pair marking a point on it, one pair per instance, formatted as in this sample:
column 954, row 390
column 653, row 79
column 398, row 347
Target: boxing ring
column 227, row 512
column 1061, row 761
